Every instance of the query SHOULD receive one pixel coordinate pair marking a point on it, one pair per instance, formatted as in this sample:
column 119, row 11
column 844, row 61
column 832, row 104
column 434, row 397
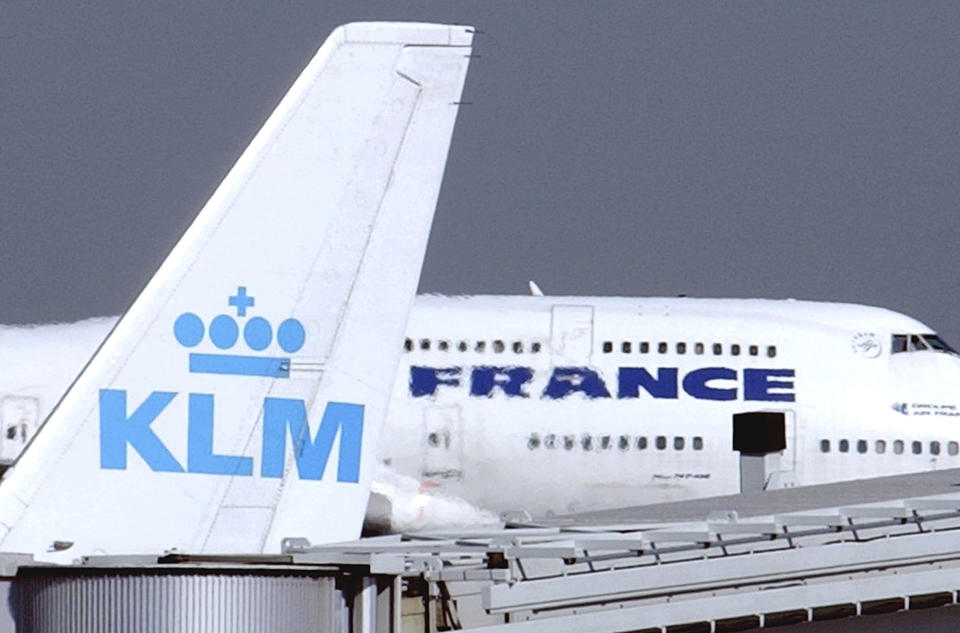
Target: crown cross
column 241, row 301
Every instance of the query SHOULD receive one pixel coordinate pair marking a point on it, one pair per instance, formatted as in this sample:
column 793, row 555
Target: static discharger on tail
column 213, row 430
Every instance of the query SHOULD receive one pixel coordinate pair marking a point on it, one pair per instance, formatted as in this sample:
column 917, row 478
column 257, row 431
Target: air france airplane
column 240, row 399
column 564, row 404
column 548, row 404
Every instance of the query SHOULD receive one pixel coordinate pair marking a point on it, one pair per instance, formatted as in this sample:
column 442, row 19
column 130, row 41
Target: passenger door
column 571, row 334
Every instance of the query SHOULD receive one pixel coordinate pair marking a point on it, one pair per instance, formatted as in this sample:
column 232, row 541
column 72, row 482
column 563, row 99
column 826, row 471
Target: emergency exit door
column 442, row 443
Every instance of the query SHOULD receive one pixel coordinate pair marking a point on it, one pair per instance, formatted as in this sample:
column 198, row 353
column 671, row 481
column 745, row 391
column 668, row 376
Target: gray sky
column 740, row 149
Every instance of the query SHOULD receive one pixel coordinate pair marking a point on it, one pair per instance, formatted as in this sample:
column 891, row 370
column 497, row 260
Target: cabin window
column 535, row 347
column 644, row 347
column 661, row 347
column 462, row 346
column 607, row 347
column 953, row 448
column 443, row 346
column 880, row 446
column 661, row 442
column 861, row 446
column 698, row 348
column 550, row 441
column 408, row 345
column 517, row 347
column 498, row 346
column 626, row 347
column 698, row 443
column 934, row 448
column 568, row 442
column 898, row 447
column 824, row 446
column 771, row 351
column 642, row 443
column 533, row 441
column 605, row 443
column 754, row 350
column 844, row 446
column 586, row 442
column 678, row 443
column 735, row 350
column 624, row 442
column 917, row 448
column 480, row 347
column 717, row 349
column 681, row 348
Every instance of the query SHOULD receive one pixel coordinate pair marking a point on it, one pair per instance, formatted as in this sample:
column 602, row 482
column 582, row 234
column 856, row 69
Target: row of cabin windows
column 589, row 442
column 645, row 347
column 898, row 447
column 497, row 346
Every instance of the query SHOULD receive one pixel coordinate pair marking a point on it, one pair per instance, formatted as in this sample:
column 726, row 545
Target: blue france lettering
column 567, row 380
column 705, row 383
column 631, row 379
column 510, row 380
column 118, row 431
column 425, row 380
column 759, row 383
column 696, row 383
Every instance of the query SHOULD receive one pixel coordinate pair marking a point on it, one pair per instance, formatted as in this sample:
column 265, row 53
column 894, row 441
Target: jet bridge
column 892, row 563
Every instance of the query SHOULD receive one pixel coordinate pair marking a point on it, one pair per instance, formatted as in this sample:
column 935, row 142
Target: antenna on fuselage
column 535, row 289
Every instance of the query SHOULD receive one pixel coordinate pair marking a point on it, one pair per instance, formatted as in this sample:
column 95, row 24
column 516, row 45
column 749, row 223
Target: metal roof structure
column 724, row 572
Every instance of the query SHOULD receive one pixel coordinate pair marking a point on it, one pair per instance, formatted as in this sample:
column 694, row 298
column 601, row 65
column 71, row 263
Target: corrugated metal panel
column 174, row 602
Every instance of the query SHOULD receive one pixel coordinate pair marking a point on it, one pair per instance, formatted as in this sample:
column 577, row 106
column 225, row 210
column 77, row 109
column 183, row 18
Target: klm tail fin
column 240, row 399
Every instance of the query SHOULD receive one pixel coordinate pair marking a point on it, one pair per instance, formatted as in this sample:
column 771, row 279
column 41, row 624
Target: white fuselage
column 568, row 428
column 562, row 404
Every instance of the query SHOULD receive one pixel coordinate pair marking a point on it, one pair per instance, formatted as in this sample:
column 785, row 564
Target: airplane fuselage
column 563, row 404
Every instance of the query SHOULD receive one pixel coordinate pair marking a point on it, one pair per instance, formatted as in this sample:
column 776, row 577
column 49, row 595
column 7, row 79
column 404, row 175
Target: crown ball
column 291, row 335
column 257, row 333
column 224, row 331
column 188, row 329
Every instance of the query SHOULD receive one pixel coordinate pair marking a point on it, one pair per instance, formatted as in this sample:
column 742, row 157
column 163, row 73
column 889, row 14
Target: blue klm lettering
column 311, row 456
column 119, row 430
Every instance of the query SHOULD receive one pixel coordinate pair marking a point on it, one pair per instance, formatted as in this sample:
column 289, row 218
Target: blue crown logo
column 224, row 333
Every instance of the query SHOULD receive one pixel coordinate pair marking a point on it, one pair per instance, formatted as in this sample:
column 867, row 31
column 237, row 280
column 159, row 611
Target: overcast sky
column 741, row 149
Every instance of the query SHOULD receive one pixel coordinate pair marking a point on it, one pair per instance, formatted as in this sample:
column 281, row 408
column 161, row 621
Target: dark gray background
column 801, row 150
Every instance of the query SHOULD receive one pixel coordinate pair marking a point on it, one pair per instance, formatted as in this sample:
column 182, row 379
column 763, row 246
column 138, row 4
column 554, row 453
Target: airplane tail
column 240, row 399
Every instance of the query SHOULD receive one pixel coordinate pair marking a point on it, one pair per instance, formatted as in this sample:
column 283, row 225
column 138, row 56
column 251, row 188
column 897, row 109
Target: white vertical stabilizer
column 240, row 399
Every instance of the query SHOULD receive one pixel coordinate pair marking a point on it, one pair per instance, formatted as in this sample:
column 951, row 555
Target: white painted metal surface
column 898, row 555
column 319, row 231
